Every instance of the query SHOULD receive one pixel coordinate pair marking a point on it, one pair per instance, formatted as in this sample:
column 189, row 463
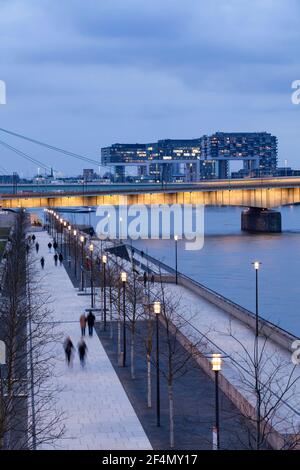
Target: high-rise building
column 206, row 157
column 257, row 151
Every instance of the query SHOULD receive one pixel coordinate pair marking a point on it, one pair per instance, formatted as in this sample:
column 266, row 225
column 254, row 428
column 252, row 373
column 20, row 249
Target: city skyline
column 86, row 76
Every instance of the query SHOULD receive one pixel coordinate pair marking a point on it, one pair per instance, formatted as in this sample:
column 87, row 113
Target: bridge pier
column 256, row 219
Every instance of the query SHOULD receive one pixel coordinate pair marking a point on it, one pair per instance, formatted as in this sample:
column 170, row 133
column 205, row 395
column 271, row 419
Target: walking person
column 152, row 279
column 82, row 349
column 55, row 246
column 82, row 321
column 91, row 321
column 55, row 259
column 37, row 247
column 33, row 238
column 42, row 262
column 49, row 246
column 68, row 347
column 61, row 258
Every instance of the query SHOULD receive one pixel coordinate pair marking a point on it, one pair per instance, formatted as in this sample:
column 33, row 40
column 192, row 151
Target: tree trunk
column 149, row 397
column 132, row 357
column 171, row 414
column 110, row 313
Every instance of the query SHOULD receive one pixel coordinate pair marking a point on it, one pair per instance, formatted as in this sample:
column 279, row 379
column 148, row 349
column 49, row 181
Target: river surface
column 224, row 263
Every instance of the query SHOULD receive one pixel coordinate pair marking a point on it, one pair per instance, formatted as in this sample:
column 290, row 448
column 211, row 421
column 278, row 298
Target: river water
column 224, row 263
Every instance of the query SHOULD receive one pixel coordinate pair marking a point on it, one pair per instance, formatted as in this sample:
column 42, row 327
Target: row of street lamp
column 216, row 358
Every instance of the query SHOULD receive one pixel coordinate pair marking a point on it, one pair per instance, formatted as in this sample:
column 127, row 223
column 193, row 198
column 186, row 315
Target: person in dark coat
column 42, row 262
column 152, row 279
column 33, row 238
column 82, row 349
column 61, row 258
column 49, row 246
column 55, row 259
column 37, row 247
column 55, row 246
column 68, row 347
column 91, row 321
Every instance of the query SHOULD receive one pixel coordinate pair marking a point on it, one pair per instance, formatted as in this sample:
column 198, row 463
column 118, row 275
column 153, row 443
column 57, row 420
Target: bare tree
column 134, row 311
column 269, row 383
column 29, row 418
column 176, row 354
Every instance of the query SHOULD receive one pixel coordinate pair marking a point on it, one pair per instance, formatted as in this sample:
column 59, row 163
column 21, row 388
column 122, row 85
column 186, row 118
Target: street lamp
column 157, row 310
column 75, row 250
column 61, row 232
column 82, row 266
column 69, row 245
column 256, row 265
column 176, row 258
column 216, row 363
column 91, row 248
column 57, row 227
column 65, row 226
column 104, row 261
column 124, row 279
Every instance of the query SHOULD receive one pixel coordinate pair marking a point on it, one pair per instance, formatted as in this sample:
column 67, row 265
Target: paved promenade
column 98, row 413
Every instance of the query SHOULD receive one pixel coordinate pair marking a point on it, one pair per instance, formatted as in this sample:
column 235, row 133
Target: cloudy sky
column 82, row 74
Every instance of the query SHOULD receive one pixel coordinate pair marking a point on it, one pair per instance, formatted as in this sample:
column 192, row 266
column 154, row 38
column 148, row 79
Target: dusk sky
column 86, row 74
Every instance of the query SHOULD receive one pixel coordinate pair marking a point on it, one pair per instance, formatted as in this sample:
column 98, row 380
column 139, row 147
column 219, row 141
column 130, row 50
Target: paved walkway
column 98, row 413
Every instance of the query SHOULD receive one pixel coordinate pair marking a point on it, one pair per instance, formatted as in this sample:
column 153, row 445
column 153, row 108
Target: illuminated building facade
column 204, row 158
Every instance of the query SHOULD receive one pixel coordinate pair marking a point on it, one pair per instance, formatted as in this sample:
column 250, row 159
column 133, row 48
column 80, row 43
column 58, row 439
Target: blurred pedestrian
column 82, row 349
column 55, row 246
column 42, row 262
column 68, row 347
column 55, row 259
column 82, row 321
column 37, row 247
column 91, row 321
column 33, row 238
column 61, row 258
column 145, row 279
column 49, row 246
column 152, row 279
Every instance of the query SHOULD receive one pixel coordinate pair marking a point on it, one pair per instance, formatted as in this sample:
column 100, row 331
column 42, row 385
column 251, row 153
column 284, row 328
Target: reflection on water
column 224, row 263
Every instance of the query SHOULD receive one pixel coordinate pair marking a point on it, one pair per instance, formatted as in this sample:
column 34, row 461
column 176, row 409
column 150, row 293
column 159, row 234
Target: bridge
column 258, row 195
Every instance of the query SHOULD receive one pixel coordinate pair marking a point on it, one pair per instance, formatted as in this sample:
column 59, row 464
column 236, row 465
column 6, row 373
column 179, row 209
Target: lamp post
column 61, row 232
column 82, row 265
column 157, row 310
column 91, row 248
column 216, row 367
column 69, row 245
column 57, row 228
column 75, row 254
column 124, row 279
column 256, row 266
column 176, row 258
column 104, row 261
column 65, row 225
